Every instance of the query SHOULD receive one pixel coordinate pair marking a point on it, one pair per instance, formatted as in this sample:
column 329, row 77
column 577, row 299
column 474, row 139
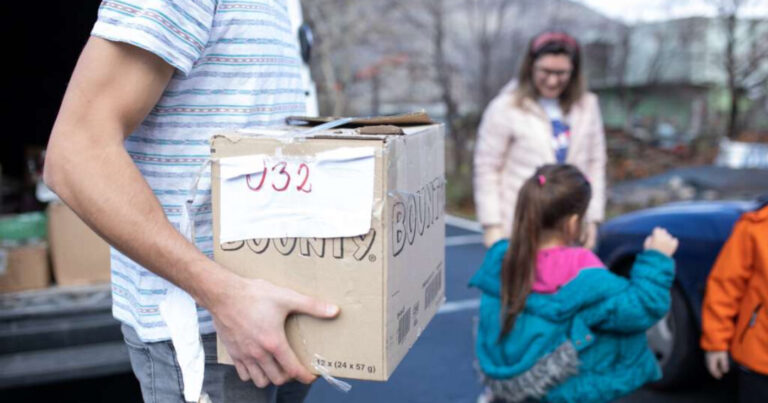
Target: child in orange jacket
column 733, row 318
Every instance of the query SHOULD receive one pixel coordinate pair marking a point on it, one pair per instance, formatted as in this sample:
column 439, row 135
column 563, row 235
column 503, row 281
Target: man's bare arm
column 113, row 88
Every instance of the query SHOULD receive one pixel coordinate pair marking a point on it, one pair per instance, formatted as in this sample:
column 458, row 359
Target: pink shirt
column 558, row 265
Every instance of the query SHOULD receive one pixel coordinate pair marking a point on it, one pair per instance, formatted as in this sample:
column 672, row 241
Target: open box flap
column 406, row 119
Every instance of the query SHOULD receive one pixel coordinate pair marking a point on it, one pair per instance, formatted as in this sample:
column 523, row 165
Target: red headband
column 549, row 37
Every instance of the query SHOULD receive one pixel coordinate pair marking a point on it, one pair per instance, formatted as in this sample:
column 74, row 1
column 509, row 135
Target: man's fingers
column 711, row 371
column 290, row 363
column 257, row 375
column 717, row 363
column 272, row 370
column 719, row 367
column 242, row 372
column 724, row 364
column 714, row 369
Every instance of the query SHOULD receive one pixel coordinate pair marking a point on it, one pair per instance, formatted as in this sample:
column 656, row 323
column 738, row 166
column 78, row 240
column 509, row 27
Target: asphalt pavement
column 439, row 367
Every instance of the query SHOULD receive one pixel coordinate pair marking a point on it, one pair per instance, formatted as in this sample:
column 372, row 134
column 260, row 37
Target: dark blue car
column 702, row 228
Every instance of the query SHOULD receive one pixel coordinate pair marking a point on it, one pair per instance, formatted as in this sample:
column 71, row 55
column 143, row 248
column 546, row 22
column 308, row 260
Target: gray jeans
column 159, row 375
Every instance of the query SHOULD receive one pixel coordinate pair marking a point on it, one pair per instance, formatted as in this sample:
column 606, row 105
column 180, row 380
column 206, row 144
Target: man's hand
column 717, row 363
column 250, row 320
column 661, row 241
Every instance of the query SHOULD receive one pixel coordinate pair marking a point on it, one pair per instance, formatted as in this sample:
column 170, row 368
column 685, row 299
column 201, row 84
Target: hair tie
column 542, row 180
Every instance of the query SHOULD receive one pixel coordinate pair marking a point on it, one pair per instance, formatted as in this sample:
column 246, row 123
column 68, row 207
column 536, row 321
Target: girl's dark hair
column 544, row 203
column 551, row 43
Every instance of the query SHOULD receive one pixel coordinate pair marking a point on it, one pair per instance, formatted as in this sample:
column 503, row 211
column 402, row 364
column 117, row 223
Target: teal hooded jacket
column 583, row 343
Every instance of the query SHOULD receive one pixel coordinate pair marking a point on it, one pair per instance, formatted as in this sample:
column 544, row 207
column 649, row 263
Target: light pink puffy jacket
column 513, row 141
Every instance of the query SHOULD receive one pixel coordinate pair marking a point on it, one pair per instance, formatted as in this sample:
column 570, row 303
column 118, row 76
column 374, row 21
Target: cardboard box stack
column 23, row 253
column 78, row 254
column 388, row 279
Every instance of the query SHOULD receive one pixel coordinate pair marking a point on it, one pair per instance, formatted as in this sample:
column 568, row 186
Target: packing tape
column 336, row 383
column 187, row 224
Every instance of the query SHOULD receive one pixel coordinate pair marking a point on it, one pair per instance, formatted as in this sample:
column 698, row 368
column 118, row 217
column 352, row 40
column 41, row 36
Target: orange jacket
column 734, row 313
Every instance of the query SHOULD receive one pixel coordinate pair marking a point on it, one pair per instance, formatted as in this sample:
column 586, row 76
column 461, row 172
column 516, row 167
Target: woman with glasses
column 545, row 116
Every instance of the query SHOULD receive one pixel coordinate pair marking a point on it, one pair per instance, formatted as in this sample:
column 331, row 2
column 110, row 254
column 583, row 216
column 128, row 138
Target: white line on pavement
column 463, row 240
column 458, row 306
column 469, row 225
column 463, row 223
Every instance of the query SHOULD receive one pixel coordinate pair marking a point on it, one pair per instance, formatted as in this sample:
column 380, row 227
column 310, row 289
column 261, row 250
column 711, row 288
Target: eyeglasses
column 559, row 74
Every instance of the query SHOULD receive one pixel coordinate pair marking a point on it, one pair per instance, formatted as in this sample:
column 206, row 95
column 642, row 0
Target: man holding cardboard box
column 152, row 84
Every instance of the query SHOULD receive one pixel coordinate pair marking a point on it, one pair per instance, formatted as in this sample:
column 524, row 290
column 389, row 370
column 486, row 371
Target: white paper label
column 326, row 195
column 3, row 261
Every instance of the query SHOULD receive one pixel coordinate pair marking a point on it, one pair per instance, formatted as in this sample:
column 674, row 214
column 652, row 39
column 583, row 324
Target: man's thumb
column 311, row 306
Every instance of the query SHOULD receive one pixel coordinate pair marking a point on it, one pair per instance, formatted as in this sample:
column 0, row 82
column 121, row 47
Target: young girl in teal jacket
column 555, row 324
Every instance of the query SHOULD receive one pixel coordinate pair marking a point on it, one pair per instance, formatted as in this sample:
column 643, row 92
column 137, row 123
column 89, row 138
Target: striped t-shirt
column 238, row 65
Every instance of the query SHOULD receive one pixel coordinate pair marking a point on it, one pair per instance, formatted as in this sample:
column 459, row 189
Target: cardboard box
column 389, row 283
column 78, row 254
column 24, row 267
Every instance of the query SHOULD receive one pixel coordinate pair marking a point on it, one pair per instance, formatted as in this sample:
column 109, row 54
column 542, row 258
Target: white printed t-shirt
column 238, row 65
column 561, row 131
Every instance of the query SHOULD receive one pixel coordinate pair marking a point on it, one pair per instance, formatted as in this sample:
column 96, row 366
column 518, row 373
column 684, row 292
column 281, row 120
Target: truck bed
column 58, row 334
